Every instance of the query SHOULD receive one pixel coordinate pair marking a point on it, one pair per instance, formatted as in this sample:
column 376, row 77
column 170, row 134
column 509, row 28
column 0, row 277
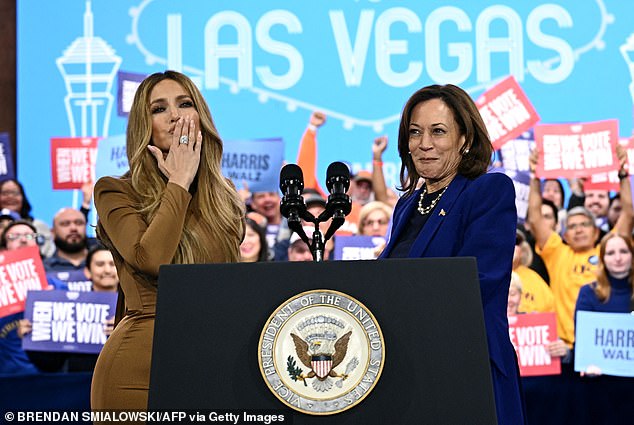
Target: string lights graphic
column 349, row 121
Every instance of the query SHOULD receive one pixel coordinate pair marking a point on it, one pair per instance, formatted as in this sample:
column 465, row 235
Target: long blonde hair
column 215, row 201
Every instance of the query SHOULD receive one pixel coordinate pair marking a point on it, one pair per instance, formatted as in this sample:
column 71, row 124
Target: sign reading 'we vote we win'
column 73, row 161
column 530, row 334
column 21, row 270
column 68, row 321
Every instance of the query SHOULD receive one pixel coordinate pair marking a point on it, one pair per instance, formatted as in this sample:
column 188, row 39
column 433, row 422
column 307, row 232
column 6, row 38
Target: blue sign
column 68, row 321
column 605, row 341
column 7, row 170
column 112, row 159
column 357, row 247
column 127, row 83
column 254, row 162
column 264, row 67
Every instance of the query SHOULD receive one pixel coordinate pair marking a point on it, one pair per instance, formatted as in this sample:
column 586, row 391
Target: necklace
column 426, row 210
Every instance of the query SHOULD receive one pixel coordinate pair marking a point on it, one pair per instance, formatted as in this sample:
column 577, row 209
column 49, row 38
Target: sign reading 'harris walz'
column 321, row 352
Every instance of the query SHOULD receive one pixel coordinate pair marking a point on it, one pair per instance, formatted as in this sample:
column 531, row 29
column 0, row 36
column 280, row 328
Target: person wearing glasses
column 572, row 261
column 374, row 219
column 13, row 359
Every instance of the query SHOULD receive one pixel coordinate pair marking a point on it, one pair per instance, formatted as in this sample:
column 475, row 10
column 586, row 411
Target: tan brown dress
column 122, row 374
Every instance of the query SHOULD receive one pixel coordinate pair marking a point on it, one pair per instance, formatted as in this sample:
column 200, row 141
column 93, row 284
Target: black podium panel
column 436, row 371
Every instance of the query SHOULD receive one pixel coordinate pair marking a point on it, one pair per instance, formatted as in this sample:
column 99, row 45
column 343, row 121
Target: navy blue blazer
column 476, row 218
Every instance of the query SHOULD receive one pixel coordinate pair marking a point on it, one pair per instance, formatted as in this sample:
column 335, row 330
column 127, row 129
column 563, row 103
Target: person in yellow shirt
column 536, row 294
column 573, row 263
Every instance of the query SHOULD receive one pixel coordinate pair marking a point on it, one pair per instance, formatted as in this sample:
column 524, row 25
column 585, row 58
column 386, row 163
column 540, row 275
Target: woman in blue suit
column 460, row 211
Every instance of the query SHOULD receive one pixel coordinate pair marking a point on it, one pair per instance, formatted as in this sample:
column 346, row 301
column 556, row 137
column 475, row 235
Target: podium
column 436, row 367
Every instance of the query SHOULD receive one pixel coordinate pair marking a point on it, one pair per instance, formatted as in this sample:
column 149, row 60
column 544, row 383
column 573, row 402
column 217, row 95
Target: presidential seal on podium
column 321, row 352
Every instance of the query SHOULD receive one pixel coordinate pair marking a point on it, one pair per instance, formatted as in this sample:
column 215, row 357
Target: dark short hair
column 561, row 187
column 477, row 149
column 3, row 237
column 91, row 253
column 263, row 255
column 614, row 198
column 553, row 207
column 25, row 211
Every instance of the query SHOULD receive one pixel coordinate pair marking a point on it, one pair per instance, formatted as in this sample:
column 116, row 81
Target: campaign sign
column 21, row 270
column 576, row 150
column 72, row 280
column 73, row 161
column 606, row 341
column 112, row 159
column 530, row 334
column 515, row 153
column 357, row 247
column 610, row 181
column 68, row 321
column 521, row 181
column 506, row 111
column 256, row 162
column 7, row 171
column 127, row 83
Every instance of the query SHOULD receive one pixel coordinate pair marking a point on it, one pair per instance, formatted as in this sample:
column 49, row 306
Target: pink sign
column 576, row 150
column 610, row 181
column 506, row 112
column 21, row 270
column 73, row 161
column 530, row 334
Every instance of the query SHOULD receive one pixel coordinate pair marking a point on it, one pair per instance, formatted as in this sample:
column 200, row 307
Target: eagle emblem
column 321, row 350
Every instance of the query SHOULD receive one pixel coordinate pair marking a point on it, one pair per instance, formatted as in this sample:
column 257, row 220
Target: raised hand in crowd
column 381, row 193
column 244, row 192
column 317, row 119
column 86, row 195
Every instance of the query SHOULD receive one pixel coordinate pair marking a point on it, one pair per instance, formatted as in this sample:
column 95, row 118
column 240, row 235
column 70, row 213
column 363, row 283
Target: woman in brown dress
column 172, row 207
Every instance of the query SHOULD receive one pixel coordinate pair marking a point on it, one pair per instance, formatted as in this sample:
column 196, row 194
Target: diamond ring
column 184, row 140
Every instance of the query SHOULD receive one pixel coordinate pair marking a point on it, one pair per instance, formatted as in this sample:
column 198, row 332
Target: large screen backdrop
column 264, row 66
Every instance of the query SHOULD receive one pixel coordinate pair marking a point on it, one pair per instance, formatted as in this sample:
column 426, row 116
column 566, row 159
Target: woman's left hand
column 181, row 163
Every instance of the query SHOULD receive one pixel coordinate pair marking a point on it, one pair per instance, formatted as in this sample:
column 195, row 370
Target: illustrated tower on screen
column 89, row 66
column 627, row 50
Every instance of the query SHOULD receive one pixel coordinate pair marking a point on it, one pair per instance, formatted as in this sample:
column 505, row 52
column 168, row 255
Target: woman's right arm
column 145, row 246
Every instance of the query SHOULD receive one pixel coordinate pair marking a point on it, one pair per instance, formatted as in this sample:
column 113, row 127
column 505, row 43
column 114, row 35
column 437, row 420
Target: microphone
column 339, row 204
column 292, row 205
column 291, row 185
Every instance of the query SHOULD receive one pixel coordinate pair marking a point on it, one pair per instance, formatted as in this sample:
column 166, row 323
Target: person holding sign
column 573, row 263
column 460, row 211
column 172, row 207
column 13, row 359
column 612, row 292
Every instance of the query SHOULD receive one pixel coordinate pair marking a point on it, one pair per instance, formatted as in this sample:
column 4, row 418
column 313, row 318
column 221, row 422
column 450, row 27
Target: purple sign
column 7, row 171
column 74, row 280
column 357, row 247
column 127, row 83
column 68, row 321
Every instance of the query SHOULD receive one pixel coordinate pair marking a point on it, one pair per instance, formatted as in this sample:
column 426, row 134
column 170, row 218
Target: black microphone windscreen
column 290, row 172
column 338, row 171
